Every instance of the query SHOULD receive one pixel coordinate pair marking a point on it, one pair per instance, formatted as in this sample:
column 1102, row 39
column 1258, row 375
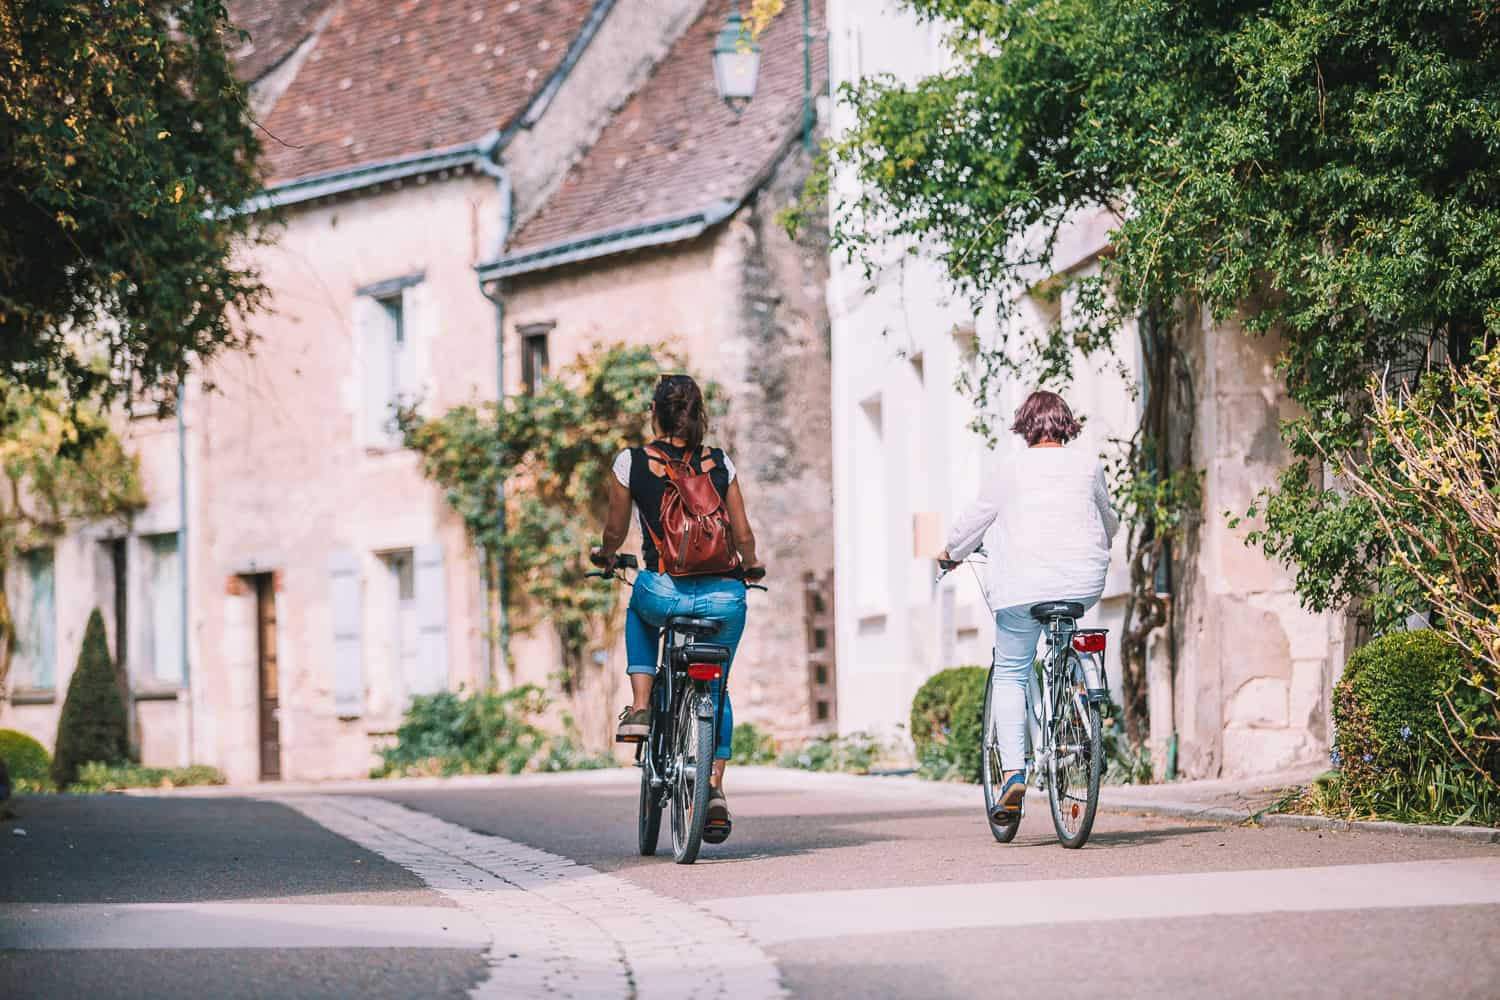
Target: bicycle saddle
column 697, row 628
column 1048, row 610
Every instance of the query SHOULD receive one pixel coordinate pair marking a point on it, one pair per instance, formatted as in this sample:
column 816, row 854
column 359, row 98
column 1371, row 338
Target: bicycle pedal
column 630, row 739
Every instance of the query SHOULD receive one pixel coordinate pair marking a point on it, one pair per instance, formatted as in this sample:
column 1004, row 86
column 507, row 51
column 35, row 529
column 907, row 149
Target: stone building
column 1253, row 683
column 324, row 579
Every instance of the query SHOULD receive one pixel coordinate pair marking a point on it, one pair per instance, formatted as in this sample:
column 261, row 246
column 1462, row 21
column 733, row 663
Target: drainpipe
column 490, row 165
column 185, row 746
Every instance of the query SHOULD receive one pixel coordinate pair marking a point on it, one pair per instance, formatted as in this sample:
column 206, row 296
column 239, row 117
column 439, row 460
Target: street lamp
column 736, row 63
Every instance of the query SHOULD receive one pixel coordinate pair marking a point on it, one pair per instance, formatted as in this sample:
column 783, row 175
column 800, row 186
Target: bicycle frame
column 669, row 687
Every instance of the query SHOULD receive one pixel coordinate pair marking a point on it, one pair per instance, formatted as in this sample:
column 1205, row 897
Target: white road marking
column 237, row 925
column 805, row 916
column 556, row 927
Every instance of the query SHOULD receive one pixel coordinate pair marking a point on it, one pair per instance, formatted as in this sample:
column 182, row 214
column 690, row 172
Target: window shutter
column 344, row 604
column 417, row 320
column 376, row 343
column 432, row 622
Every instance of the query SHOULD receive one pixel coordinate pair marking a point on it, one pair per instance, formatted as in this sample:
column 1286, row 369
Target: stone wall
column 1256, row 670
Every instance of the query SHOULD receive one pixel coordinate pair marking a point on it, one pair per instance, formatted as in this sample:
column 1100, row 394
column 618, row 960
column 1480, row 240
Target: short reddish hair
column 1045, row 417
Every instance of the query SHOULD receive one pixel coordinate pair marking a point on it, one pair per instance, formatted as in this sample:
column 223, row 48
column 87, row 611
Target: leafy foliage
column 24, row 760
column 92, row 726
column 1431, row 481
column 854, row 753
column 485, row 732
column 1319, row 170
column 1396, row 755
column 947, row 724
column 751, row 745
column 59, row 462
column 100, row 777
column 125, row 148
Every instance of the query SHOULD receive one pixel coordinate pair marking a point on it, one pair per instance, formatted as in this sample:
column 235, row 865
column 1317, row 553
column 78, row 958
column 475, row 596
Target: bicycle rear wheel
column 1077, row 758
column 991, row 771
column 648, row 816
column 693, row 750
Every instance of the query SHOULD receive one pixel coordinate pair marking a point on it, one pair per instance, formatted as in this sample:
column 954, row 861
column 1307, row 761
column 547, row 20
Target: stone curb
column 1471, row 834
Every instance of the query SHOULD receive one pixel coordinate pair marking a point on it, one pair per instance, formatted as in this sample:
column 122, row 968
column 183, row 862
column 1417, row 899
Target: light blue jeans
column 1016, row 635
column 658, row 596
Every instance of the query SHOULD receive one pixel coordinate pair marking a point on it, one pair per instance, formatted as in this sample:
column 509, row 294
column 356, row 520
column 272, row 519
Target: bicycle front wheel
column 693, row 750
column 1077, row 759
column 992, row 774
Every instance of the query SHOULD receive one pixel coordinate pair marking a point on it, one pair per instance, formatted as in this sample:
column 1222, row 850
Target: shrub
column 486, row 732
column 855, row 753
column 25, row 760
column 97, row 777
column 1395, row 755
column 92, row 727
column 750, row 745
column 947, row 724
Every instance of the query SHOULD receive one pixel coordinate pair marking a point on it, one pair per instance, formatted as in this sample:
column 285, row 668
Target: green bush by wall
column 26, row 761
column 947, row 723
column 1395, row 755
column 92, row 727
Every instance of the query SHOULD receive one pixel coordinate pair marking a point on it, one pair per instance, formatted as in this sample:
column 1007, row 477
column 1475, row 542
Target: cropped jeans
column 1016, row 635
column 658, row 596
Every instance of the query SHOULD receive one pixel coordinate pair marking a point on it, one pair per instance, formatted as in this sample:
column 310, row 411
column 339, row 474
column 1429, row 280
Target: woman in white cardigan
column 1052, row 507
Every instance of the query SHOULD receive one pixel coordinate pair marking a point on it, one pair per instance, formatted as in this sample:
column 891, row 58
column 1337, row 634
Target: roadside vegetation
column 484, row 732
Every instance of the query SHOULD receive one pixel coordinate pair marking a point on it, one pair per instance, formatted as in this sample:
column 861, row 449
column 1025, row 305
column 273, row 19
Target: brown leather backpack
column 695, row 539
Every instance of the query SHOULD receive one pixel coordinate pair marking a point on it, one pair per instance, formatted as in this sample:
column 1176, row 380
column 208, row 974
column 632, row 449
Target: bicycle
column 676, row 756
column 1064, row 728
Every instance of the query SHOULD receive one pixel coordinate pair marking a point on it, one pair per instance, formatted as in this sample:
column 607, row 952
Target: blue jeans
column 658, row 596
column 1016, row 635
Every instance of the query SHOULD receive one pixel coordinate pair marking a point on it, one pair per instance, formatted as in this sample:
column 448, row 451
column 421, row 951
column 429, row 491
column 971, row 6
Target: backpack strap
column 652, row 451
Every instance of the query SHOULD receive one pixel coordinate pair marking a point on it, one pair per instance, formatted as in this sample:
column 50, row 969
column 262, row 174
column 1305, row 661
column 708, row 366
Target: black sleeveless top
column 646, row 490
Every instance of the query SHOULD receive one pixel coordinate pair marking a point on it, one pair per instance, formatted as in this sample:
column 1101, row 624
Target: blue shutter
column 344, row 605
column 432, row 621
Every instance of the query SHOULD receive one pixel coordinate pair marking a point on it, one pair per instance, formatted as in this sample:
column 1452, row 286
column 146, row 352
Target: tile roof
column 392, row 78
column 675, row 147
column 275, row 27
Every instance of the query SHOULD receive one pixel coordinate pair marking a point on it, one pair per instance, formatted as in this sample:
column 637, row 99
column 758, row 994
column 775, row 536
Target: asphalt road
column 840, row 888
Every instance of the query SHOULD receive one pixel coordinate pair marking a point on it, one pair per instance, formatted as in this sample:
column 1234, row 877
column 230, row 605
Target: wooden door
column 269, row 684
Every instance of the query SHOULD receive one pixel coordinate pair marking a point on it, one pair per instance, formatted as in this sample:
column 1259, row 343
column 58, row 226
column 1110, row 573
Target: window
column 822, row 711
column 388, row 361
column 820, row 673
column 36, row 627
column 534, row 355
column 160, row 656
column 820, row 638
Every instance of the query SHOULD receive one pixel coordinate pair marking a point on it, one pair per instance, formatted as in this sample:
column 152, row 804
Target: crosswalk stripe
column 236, row 925
column 776, row 919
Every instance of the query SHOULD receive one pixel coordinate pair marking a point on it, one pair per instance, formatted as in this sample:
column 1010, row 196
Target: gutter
column 608, row 242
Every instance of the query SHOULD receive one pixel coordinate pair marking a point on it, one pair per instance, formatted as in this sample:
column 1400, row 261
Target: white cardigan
column 1051, row 506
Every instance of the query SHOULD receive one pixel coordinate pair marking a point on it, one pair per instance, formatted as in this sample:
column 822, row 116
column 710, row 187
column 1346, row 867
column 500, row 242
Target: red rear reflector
column 705, row 671
column 1090, row 643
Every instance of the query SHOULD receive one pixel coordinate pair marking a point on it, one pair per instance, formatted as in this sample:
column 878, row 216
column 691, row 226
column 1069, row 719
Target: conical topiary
column 92, row 727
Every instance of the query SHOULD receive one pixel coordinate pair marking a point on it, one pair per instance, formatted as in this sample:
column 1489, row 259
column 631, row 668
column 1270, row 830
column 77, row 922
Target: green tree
column 125, row 150
column 552, row 450
column 1321, row 170
column 59, row 463
column 92, row 726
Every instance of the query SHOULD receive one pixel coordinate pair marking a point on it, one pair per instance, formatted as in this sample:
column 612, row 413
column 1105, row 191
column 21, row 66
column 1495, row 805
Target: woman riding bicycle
column 680, row 421
column 1056, row 526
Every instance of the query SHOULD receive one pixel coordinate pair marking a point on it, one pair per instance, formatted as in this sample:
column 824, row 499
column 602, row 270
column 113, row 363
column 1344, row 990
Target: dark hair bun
column 680, row 412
